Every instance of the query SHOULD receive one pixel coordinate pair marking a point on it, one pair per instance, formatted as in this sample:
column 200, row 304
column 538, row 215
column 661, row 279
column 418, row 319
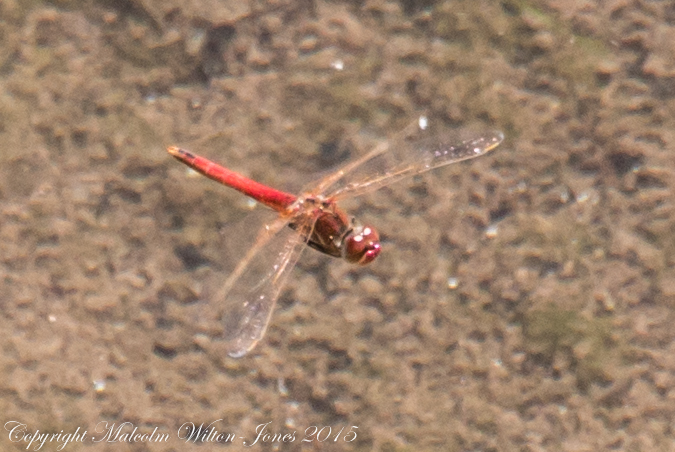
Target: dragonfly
column 313, row 219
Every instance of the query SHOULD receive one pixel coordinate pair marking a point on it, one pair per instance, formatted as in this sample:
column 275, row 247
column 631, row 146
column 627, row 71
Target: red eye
column 362, row 246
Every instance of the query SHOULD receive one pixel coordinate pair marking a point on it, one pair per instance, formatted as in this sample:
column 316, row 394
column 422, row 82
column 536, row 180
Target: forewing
column 406, row 157
column 250, row 293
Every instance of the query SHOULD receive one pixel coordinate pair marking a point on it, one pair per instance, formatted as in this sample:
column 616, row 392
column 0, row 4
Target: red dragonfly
column 313, row 218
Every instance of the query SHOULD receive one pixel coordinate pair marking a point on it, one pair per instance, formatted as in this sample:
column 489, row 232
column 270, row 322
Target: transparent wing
column 405, row 157
column 251, row 291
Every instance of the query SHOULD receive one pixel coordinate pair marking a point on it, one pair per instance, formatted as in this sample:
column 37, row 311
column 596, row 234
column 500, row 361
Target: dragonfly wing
column 406, row 157
column 251, row 291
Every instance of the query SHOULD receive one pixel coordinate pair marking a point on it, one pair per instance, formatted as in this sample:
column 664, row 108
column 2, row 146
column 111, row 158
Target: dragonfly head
column 361, row 245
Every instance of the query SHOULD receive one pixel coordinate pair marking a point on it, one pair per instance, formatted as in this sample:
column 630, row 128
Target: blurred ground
column 523, row 301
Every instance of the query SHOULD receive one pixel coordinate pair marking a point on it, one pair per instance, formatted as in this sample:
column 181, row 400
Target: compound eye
column 362, row 245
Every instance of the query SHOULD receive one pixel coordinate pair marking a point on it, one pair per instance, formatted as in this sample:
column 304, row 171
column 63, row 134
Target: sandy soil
column 523, row 301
